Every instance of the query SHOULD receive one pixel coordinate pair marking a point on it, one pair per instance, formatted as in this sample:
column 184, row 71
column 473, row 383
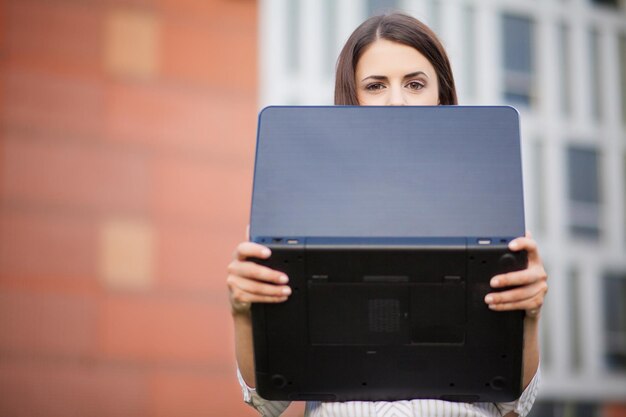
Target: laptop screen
column 369, row 171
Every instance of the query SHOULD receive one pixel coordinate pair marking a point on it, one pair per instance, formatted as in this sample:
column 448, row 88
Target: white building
column 562, row 63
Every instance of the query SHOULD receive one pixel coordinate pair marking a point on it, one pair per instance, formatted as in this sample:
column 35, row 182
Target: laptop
column 390, row 222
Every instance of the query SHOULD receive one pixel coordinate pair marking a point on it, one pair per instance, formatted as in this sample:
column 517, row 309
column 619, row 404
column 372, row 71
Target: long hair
column 396, row 27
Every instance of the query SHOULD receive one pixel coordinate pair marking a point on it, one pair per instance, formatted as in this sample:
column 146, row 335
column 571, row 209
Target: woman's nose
column 396, row 98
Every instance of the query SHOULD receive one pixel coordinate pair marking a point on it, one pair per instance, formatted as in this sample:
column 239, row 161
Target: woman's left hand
column 530, row 284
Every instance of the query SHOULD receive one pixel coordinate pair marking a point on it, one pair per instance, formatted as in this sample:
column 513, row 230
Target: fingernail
column 283, row 279
column 286, row 290
column 489, row 299
column 492, row 306
column 495, row 282
column 266, row 252
column 513, row 245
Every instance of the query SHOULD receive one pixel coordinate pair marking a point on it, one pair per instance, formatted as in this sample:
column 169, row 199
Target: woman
column 390, row 60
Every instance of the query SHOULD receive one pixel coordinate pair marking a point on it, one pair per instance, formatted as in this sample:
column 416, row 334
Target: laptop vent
column 384, row 315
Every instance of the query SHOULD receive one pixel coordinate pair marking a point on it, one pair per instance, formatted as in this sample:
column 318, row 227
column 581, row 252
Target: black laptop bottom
column 389, row 320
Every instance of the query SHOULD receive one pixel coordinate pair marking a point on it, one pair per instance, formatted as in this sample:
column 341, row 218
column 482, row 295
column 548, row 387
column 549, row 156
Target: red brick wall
column 126, row 149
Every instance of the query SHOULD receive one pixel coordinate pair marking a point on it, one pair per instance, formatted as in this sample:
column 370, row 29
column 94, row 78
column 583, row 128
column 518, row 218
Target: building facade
column 126, row 155
column 562, row 63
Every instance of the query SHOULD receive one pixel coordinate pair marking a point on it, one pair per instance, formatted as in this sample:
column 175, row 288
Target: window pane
column 613, row 3
column 518, row 59
column 517, row 43
column 545, row 408
column 569, row 408
column 583, row 175
column 584, row 191
column 615, row 320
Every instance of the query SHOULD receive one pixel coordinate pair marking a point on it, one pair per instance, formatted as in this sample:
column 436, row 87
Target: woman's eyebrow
column 413, row 74
column 375, row 77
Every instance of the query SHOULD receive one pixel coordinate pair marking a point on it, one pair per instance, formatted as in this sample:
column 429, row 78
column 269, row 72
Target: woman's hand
column 249, row 282
column 530, row 284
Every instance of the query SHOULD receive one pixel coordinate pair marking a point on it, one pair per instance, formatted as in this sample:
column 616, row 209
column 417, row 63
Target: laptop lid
column 426, row 171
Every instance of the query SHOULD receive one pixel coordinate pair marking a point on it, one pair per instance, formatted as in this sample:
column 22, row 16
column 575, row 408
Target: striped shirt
column 407, row 408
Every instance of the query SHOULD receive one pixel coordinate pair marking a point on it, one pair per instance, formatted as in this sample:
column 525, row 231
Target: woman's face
column 392, row 74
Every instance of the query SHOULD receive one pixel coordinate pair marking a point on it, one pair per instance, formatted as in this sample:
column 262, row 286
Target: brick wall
column 126, row 150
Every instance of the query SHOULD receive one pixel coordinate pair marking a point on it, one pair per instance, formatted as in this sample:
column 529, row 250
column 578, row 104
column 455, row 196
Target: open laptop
column 390, row 222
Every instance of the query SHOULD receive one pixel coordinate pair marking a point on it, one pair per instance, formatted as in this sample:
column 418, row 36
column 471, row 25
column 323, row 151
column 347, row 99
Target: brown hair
column 396, row 27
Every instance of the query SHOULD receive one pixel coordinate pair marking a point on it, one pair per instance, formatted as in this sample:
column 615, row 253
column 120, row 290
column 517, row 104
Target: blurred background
column 126, row 154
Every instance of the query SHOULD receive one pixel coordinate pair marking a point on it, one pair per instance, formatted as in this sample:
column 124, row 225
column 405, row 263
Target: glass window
column 615, row 320
column 560, row 408
column 518, row 59
column 544, row 408
column 584, row 191
column 612, row 3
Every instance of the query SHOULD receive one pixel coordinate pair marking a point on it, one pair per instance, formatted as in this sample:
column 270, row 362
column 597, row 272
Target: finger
column 515, row 295
column 243, row 291
column 523, row 277
column 251, row 250
column 246, row 298
column 251, row 270
column 259, row 288
column 527, row 244
column 266, row 299
column 533, row 303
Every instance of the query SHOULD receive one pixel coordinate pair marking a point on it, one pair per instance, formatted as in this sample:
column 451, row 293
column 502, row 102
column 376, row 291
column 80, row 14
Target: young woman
column 390, row 60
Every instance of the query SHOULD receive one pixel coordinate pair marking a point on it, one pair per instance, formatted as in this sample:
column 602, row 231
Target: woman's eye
column 374, row 87
column 415, row 85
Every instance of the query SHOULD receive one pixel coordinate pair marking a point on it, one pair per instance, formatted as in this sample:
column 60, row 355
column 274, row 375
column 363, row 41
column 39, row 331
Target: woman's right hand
column 249, row 282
